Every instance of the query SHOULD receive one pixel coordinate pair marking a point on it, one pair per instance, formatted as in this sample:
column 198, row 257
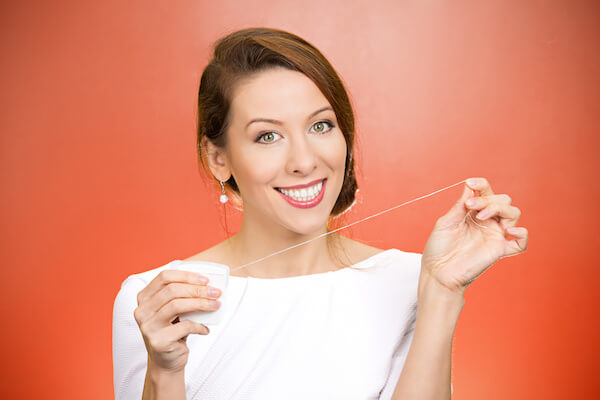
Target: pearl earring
column 223, row 199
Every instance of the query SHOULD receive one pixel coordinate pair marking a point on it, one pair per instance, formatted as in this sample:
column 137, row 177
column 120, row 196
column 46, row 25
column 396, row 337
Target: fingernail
column 202, row 279
column 471, row 202
column 472, row 182
column 483, row 214
column 513, row 230
column 213, row 292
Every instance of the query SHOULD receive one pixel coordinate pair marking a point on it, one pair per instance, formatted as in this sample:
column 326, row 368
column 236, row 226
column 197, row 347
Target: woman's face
column 284, row 133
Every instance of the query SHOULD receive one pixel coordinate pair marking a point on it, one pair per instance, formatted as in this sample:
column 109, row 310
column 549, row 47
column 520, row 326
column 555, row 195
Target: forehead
column 277, row 92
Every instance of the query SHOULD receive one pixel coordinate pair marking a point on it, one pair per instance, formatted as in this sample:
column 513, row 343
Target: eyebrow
column 274, row 121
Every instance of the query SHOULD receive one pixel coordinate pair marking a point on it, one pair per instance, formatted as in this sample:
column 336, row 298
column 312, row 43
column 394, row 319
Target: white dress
column 336, row 335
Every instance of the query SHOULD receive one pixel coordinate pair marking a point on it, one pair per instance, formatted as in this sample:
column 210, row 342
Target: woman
column 329, row 319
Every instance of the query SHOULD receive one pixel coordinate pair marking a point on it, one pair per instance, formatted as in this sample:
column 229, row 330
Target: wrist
column 431, row 291
column 164, row 384
column 160, row 374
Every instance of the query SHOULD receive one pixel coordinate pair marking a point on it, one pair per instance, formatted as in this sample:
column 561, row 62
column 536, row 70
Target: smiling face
column 284, row 133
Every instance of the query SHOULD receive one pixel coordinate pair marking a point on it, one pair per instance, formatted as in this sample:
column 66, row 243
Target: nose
column 302, row 159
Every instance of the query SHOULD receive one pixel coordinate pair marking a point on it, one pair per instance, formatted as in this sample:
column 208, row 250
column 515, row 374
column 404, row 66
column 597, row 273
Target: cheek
column 333, row 152
column 252, row 168
column 338, row 152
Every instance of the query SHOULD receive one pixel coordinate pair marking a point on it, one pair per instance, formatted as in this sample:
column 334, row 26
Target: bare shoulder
column 352, row 251
column 357, row 251
column 217, row 254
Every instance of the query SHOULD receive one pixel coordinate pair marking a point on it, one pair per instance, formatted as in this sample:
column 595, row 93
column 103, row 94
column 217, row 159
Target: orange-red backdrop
column 100, row 180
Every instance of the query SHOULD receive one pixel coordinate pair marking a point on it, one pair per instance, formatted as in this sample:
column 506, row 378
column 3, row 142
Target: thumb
column 459, row 210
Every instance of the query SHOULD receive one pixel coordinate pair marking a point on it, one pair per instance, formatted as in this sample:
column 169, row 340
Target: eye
column 320, row 126
column 269, row 136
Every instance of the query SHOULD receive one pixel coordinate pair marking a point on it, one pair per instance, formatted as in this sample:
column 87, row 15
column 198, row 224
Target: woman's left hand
column 464, row 243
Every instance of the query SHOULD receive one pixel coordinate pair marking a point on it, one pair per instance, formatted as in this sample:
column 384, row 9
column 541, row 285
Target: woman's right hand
column 171, row 293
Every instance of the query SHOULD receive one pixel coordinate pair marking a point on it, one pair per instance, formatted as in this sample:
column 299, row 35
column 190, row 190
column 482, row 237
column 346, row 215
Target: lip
column 305, row 204
column 302, row 186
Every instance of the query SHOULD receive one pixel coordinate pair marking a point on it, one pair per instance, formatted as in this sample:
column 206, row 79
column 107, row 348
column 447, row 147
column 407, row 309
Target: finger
column 458, row 211
column 512, row 221
column 176, row 307
column 481, row 185
column 479, row 202
column 517, row 241
column 495, row 205
column 173, row 291
column 169, row 276
column 166, row 339
column 182, row 329
column 508, row 214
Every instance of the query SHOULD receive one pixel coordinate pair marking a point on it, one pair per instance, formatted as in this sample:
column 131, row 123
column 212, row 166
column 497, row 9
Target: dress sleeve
column 130, row 357
column 399, row 357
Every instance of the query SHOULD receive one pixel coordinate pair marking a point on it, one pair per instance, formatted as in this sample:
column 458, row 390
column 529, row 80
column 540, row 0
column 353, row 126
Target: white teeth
column 304, row 194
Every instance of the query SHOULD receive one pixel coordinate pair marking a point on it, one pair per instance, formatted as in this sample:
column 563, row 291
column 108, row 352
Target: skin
column 301, row 149
column 464, row 243
column 296, row 151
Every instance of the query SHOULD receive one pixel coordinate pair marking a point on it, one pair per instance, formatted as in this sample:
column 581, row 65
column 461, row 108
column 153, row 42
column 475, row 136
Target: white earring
column 223, row 199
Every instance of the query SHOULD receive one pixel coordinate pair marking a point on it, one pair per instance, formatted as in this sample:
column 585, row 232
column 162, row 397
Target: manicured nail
column 213, row 292
column 483, row 214
column 202, row 279
column 513, row 230
column 471, row 202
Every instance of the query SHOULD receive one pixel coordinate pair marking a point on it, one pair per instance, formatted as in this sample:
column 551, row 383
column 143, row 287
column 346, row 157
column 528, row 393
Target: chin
column 306, row 228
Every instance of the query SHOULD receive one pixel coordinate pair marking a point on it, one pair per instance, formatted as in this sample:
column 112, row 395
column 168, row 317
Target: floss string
column 356, row 222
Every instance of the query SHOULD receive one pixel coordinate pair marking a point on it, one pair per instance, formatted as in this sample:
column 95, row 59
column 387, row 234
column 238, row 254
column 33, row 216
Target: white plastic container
column 218, row 275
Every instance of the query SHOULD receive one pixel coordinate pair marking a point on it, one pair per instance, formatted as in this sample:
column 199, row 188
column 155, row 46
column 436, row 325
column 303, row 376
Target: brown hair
column 245, row 52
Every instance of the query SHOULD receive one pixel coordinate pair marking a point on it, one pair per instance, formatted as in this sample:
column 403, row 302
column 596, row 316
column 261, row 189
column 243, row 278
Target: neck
column 256, row 240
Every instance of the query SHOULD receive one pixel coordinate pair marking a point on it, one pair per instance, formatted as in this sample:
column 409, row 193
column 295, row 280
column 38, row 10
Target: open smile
column 304, row 197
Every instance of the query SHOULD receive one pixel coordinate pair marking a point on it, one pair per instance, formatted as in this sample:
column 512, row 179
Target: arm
column 458, row 250
column 129, row 352
column 161, row 385
column 130, row 357
column 426, row 371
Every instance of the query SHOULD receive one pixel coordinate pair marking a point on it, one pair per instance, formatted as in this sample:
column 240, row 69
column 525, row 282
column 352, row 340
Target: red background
column 100, row 180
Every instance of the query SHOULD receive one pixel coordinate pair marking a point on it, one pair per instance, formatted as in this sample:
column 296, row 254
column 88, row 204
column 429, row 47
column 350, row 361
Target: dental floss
column 219, row 273
column 356, row 222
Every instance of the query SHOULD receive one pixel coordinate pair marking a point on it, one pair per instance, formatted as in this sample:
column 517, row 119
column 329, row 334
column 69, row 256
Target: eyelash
column 331, row 126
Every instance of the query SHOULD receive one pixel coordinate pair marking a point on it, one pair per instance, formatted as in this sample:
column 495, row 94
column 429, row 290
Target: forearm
column 160, row 385
column 426, row 371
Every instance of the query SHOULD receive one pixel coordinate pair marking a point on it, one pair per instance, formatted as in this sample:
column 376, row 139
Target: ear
column 217, row 160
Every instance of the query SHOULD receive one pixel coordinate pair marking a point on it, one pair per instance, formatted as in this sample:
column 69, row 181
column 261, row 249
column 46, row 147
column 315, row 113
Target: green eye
column 321, row 126
column 268, row 135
